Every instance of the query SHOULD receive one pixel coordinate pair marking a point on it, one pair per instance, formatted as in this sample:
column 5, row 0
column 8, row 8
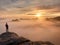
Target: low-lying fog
column 35, row 30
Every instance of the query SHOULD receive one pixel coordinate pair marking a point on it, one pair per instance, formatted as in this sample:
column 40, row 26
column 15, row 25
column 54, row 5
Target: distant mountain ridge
column 54, row 19
column 57, row 18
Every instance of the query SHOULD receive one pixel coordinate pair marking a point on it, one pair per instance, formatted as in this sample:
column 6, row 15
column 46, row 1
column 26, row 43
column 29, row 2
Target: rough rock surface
column 11, row 38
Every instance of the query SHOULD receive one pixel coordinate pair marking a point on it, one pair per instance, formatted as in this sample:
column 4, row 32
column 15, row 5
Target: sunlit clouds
column 25, row 7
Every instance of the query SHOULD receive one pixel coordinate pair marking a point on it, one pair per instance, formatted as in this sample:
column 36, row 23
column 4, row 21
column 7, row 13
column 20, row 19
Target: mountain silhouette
column 54, row 19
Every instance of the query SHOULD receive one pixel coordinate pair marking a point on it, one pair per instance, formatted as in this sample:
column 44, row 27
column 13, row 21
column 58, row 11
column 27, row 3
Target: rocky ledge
column 11, row 38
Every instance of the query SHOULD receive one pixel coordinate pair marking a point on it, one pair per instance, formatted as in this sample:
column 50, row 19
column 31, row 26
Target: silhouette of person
column 7, row 27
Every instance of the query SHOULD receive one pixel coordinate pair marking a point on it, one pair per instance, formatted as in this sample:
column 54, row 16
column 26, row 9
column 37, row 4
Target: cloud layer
column 25, row 6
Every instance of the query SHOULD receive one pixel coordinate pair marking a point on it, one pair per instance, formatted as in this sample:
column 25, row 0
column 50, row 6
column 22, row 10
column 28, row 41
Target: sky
column 26, row 7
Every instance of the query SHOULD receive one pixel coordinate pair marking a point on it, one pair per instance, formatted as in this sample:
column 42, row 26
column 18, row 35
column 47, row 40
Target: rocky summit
column 11, row 38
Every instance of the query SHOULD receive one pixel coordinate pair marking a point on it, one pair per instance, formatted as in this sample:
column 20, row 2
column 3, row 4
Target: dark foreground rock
column 11, row 38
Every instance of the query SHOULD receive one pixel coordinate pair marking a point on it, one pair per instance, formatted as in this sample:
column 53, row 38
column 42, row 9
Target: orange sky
column 30, row 7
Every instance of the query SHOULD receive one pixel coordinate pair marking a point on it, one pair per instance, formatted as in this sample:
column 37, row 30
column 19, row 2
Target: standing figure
column 7, row 27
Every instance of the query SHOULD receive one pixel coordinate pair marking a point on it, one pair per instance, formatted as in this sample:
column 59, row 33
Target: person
column 7, row 27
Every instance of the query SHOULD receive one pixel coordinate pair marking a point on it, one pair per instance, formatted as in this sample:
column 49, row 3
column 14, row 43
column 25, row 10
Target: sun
column 38, row 14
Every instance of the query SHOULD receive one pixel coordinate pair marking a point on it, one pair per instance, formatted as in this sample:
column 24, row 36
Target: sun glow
column 38, row 14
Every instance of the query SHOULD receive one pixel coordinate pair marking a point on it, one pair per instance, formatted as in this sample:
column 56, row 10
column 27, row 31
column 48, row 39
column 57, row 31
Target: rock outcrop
column 11, row 38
